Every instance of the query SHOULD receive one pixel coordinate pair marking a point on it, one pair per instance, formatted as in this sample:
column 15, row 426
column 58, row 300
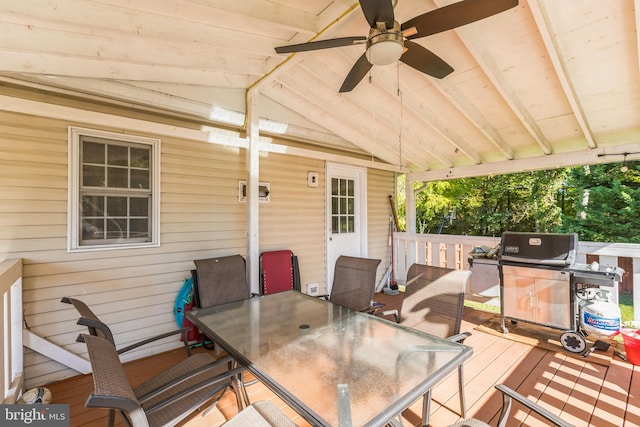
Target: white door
column 346, row 214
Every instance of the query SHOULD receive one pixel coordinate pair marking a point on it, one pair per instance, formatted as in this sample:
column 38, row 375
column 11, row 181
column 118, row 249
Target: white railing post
column 12, row 369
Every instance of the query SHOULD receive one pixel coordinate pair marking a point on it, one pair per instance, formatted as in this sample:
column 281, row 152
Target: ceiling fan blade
column 357, row 73
column 322, row 44
column 378, row 11
column 455, row 15
column 424, row 60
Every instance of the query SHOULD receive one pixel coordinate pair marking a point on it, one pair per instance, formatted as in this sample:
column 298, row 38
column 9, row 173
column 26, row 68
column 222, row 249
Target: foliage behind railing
column 11, row 371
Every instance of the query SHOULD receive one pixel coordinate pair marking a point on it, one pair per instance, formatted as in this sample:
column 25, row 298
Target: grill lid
column 539, row 248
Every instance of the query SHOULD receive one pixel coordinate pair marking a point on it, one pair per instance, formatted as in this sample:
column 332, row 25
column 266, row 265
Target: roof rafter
column 297, row 96
column 428, row 118
column 473, row 115
column 541, row 18
column 495, row 75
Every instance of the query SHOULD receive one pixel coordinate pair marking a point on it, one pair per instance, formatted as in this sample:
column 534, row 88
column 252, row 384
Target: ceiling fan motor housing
column 384, row 46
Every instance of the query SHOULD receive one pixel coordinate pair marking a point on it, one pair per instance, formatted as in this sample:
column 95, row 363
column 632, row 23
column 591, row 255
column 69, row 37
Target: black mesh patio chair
column 262, row 413
column 220, row 280
column 96, row 327
column 163, row 400
column 434, row 296
column 508, row 396
column 354, row 282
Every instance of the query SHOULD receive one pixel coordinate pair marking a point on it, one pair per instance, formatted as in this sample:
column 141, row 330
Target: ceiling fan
column 388, row 41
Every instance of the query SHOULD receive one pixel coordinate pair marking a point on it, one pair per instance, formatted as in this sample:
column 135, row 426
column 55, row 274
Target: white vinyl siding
column 133, row 290
column 294, row 217
column 381, row 184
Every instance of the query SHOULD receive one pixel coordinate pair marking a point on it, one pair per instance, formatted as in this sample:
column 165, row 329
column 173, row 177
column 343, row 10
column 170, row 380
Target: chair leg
column 426, row 408
column 185, row 340
column 463, row 406
column 112, row 418
column 242, row 395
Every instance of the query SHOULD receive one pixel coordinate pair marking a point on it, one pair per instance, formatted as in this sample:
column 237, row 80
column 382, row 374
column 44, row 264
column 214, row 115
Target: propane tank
column 598, row 316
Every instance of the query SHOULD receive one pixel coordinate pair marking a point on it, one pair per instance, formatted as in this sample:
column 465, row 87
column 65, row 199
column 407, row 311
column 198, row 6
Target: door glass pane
column 342, row 205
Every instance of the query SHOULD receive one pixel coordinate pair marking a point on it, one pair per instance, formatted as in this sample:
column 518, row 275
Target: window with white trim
column 114, row 190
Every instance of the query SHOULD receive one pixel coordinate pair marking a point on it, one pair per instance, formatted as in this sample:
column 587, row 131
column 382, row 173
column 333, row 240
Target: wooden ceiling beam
column 296, row 95
column 473, row 116
column 384, row 117
column 552, row 161
column 482, row 56
column 422, row 115
column 541, row 18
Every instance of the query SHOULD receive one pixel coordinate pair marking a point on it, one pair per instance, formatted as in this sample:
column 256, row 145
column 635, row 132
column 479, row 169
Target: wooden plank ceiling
column 547, row 83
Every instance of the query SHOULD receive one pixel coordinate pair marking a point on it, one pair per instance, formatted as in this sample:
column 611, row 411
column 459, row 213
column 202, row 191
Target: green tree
column 487, row 206
column 606, row 203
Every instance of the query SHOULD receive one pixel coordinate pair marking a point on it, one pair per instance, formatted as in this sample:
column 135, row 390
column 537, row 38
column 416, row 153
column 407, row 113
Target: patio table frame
column 384, row 366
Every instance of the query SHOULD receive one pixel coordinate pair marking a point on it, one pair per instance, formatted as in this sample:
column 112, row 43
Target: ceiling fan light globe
column 384, row 52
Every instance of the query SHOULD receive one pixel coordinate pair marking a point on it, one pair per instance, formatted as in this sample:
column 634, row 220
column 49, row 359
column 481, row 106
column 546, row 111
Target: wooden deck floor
column 596, row 391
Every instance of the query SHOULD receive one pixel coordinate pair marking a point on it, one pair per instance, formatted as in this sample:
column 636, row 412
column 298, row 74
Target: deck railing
column 11, row 371
column 452, row 251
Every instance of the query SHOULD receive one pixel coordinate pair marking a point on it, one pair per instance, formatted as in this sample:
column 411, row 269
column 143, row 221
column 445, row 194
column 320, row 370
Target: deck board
column 587, row 392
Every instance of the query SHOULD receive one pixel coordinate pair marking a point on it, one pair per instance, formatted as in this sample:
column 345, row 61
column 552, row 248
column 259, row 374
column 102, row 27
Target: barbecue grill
column 539, row 279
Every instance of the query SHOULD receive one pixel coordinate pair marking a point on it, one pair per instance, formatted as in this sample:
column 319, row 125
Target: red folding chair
column 278, row 272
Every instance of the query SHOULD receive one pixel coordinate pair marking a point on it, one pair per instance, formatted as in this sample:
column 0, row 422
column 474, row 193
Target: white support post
column 410, row 216
column 253, row 182
column 636, row 292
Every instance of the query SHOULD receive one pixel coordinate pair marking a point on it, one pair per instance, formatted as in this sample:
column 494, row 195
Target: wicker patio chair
column 162, row 400
column 96, row 327
column 436, row 295
column 508, row 396
column 262, row 413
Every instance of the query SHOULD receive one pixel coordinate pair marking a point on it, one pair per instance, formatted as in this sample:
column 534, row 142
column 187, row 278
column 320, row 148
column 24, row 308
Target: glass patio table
column 312, row 353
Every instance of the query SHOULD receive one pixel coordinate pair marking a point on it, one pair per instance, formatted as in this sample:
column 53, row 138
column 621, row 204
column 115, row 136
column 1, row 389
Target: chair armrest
column 393, row 313
column 191, row 374
column 215, row 384
column 182, row 331
column 508, row 394
column 459, row 338
column 96, row 325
